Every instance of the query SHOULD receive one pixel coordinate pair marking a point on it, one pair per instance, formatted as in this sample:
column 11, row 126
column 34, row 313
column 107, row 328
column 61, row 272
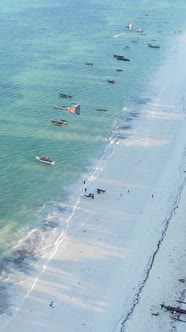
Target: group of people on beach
column 91, row 195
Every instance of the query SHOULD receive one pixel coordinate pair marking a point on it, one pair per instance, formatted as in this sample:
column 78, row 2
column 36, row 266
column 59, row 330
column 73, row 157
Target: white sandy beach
column 124, row 251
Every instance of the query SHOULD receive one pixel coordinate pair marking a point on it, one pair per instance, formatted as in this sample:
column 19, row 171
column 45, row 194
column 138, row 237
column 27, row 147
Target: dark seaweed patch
column 141, row 100
column 62, row 208
column 49, row 225
column 23, row 258
column 120, row 136
column 128, row 118
column 134, row 114
column 123, row 127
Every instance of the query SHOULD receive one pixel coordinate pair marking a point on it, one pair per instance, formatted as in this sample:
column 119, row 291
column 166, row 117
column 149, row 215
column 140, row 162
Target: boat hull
column 50, row 162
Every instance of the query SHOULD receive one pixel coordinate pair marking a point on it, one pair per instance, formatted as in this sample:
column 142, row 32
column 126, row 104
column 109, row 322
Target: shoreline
column 94, row 278
column 166, row 281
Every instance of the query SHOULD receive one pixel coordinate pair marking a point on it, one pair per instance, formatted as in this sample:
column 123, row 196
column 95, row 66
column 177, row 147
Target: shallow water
column 44, row 47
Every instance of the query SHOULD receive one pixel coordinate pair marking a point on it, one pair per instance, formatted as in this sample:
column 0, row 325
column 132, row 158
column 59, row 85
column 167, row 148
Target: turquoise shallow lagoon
column 43, row 49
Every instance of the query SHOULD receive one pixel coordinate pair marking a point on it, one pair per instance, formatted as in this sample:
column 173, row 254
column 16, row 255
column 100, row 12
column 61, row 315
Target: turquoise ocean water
column 44, row 45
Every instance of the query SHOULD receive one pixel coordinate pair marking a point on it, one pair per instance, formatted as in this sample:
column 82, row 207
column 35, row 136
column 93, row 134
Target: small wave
column 119, row 35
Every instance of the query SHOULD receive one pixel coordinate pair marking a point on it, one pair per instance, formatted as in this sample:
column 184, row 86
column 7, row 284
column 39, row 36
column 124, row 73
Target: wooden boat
column 66, row 95
column 119, row 69
column 46, row 160
column 180, row 301
column 61, row 107
column 89, row 63
column 120, row 57
column 60, row 122
column 101, row 110
column 153, row 45
column 139, row 30
column 173, row 309
column 123, row 58
column 110, row 80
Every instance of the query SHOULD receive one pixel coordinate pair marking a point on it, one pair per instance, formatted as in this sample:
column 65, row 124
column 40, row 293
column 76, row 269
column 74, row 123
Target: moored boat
column 130, row 26
column 110, row 80
column 60, row 122
column 45, row 160
column 101, row 109
column 61, row 107
column 121, row 57
column 140, row 30
column 89, row 63
column 153, row 45
column 66, row 95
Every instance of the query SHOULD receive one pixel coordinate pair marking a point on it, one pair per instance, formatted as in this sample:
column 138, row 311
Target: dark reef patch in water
column 21, row 262
column 124, row 127
column 134, row 114
column 141, row 100
column 128, row 118
column 63, row 208
column 120, row 136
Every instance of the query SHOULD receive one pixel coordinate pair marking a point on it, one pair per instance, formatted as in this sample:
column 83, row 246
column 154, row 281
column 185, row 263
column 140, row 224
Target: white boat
column 61, row 107
column 130, row 26
column 139, row 30
column 153, row 45
column 46, row 160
